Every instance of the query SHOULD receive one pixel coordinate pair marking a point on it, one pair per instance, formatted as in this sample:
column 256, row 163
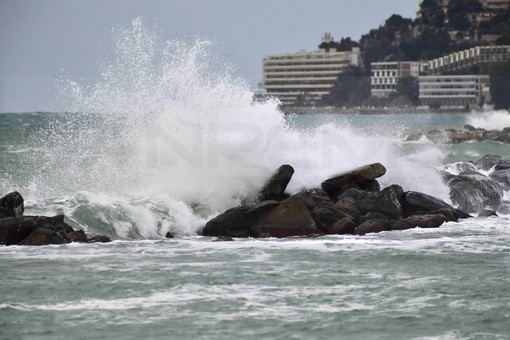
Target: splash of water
column 490, row 120
column 171, row 137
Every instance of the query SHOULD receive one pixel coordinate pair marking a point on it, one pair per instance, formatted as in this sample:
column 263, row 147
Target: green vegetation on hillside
column 436, row 33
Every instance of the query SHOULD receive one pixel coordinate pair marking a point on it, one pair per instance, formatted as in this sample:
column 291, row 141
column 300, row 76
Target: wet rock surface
column 349, row 203
column 17, row 229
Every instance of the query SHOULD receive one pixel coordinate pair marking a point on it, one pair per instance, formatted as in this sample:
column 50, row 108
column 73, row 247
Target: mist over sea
column 168, row 138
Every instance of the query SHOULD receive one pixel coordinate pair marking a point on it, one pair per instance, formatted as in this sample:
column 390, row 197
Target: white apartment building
column 303, row 78
column 385, row 75
column 466, row 58
column 453, row 90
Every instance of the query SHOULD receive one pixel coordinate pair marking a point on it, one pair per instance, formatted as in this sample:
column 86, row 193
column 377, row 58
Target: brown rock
column 343, row 226
column 373, row 226
column 275, row 187
column 77, row 236
column 290, row 218
column 41, row 237
column 336, row 185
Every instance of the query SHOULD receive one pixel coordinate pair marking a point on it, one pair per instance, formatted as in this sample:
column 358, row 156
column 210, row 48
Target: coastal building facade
column 465, row 59
column 303, row 78
column 454, row 90
column 385, row 75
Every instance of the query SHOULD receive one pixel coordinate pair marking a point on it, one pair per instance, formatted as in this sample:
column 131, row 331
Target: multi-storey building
column 453, row 90
column 465, row 59
column 303, row 78
column 497, row 5
column 385, row 75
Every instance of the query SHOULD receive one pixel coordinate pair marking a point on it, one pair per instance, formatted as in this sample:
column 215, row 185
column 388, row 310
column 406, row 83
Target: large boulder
column 237, row 222
column 275, row 187
column 11, row 205
column 361, row 177
column 475, row 192
column 501, row 176
column 287, row 218
column 290, row 218
column 14, row 229
column 488, row 161
column 386, row 202
column 414, row 203
column 41, row 237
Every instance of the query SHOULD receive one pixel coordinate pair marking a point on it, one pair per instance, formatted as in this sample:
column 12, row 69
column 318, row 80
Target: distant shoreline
column 374, row 111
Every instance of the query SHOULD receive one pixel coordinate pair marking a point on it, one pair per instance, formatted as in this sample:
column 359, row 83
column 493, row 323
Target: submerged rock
column 420, row 221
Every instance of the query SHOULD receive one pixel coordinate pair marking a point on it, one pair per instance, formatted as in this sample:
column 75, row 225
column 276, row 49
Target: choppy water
column 164, row 141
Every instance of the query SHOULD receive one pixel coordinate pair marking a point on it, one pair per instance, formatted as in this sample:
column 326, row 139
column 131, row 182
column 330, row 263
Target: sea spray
column 168, row 137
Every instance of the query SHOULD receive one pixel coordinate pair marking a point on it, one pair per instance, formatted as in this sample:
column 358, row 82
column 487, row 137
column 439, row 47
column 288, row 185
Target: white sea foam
column 490, row 120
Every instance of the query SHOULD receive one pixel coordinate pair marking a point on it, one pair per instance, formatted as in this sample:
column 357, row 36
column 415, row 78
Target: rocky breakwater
column 16, row 229
column 468, row 133
column 349, row 203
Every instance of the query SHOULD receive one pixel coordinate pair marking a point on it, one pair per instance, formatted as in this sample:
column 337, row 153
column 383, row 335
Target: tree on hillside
column 459, row 11
column 500, row 85
column 408, row 88
column 351, row 88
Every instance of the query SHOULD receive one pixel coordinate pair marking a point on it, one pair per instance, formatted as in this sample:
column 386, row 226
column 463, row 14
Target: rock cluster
column 468, row 133
column 349, row 203
column 16, row 229
column 475, row 191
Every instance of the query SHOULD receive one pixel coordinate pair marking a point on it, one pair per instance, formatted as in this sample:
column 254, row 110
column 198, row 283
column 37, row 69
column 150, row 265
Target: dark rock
column 420, row 221
column 77, row 236
column 41, row 237
column 11, row 205
column 232, row 222
column 469, row 127
column 487, row 162
column 314, row 198
column 413, row 202
column 236, row 222
column 502, row 176
column 325, row 216
column 99, row 239
column 276, row 185
column 373, row 226
column 14, row 229
column 349, row 206
column 290, row 218
column 449, row 215
column 503, row 164
column 386, row 202
column 341, row 182
column 343, row 226
column 487, row 213
column 372, row 216
column 475, row 192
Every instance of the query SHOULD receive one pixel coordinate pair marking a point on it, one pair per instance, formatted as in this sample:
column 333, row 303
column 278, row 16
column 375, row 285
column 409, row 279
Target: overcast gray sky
column 40, row 38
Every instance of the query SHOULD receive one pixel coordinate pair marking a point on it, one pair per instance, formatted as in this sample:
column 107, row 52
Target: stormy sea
column 168, row 138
